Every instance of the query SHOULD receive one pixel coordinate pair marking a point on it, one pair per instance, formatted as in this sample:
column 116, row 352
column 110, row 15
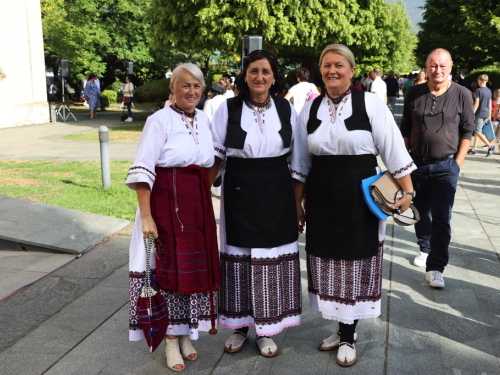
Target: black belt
column 436, row 160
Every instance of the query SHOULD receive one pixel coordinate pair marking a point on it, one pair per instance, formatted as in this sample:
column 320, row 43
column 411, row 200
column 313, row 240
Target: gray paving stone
column 15, row 362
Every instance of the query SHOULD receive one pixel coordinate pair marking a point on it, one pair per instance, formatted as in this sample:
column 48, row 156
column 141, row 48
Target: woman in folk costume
column 338, row 137
column 170, row 176
column 260, row 265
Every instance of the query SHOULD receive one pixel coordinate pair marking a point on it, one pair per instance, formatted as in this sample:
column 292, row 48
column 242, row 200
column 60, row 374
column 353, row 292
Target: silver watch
column 412, row 193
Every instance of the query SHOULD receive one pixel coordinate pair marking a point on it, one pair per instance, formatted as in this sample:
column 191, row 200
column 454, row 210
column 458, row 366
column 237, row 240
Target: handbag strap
column 405, row 220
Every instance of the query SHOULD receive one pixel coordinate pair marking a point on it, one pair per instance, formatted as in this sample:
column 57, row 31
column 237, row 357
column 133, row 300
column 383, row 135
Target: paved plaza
column 75, row 320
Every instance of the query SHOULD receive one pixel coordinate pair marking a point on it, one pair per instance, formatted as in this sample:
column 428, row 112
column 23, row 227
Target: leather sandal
column 187, row 350
column 173, row 354
column 333, row 342
column 266, row 346
column 347, row 354
column 235, row 342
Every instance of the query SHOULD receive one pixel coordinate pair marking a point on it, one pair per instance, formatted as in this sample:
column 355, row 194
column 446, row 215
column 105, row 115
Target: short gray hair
column 341, row 50
column 191, row 68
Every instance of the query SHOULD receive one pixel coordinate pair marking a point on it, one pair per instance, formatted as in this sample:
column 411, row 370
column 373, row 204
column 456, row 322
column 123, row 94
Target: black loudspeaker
column 130, row 67
column 64, row 68
column 250, row 44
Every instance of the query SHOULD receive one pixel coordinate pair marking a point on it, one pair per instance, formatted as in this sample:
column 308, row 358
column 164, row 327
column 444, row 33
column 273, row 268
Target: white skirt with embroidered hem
column 346, row 290
column 261, row 288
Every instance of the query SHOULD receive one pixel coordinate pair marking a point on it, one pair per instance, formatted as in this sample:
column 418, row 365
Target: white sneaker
column 420, row 260
column 216, row 191
column 435, row 278
column 130, row 119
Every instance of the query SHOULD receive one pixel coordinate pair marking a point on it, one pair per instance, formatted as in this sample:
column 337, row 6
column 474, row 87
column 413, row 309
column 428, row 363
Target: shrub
column 115, row 86
column 154, row 91
column 108, row 97
column 492, row 72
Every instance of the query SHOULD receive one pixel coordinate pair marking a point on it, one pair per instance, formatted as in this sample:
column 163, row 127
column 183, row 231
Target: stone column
column 23, row 92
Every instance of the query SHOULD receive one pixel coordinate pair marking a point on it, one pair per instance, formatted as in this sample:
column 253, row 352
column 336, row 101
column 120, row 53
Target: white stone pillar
column 23, row 92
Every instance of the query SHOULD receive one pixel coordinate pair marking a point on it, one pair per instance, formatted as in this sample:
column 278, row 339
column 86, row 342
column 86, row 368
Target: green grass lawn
column 74, row 185
column 126, row 133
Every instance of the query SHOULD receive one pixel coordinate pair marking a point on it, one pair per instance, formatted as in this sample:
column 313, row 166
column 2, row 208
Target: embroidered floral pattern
column 297, row 173
column 186, row 309
column 405, row 168
column 346, row 281
column 268, row 289
column 220, row 150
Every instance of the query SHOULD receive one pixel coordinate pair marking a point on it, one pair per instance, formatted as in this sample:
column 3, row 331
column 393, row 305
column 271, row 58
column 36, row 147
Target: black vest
column 358, row 121
column 235, row 136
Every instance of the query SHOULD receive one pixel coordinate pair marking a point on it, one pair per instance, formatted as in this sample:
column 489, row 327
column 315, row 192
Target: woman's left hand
column 404, row 203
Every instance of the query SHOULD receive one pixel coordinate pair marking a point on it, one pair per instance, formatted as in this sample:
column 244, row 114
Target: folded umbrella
column 152, row 307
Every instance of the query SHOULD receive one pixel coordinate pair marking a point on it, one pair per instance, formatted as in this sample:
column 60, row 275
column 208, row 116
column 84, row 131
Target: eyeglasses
column 432, row 113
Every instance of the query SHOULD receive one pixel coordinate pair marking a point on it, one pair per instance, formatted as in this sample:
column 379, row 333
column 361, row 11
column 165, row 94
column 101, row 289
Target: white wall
column 23, row 94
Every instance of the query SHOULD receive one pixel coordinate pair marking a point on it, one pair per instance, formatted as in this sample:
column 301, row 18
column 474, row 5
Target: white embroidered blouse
column 332, row 137
column 262, row 140
column 166, row 141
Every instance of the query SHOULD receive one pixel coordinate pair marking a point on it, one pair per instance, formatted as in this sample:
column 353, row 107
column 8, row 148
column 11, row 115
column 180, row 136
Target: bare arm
column 476, row 104
column 144, row 198
column 463, row 147
column 289, row 95
column 213, row 170
column 299, row 189
column 489, row 107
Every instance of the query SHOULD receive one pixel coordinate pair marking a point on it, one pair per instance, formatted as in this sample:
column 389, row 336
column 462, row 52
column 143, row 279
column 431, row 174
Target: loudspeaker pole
column 61, row 111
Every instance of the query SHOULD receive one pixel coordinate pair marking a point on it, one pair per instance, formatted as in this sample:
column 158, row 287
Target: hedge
column 108, row 97
column 492, row 72
column 154, row 91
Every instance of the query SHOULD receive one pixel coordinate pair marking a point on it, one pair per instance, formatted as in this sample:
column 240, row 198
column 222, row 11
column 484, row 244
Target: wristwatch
column 412, row 193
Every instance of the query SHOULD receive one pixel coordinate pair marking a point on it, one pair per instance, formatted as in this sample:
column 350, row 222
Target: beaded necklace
column 335, row 103
column 258, row 110
column 189, row 119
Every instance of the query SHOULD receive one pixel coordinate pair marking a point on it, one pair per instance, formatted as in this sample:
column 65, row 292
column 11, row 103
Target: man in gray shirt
column 482, row 108
column 437, row 125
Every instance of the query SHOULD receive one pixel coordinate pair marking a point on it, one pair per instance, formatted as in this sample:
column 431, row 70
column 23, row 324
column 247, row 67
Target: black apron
column 259, row 203
column 339, row 223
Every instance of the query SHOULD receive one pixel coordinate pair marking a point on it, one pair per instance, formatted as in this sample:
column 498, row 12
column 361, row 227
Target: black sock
column 347, row 332
column 243, row 330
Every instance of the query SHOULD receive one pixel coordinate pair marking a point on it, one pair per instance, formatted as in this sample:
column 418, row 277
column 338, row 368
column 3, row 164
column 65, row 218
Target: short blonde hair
column 341, row 50
column 191, row 68
column 483, row 78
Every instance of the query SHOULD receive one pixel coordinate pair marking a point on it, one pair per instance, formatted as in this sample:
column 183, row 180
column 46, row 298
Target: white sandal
column 333, row 342
column 235, row 342
column 173, row 354
column 187, row 348
column 267, row 346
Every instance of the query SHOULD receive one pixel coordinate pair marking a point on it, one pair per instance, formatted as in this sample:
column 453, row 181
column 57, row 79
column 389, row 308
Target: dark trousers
column 435, row 185
column 129, row 110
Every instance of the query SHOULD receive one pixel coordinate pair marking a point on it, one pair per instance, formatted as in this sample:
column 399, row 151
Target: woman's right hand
column 149, row 227
column 301, row 218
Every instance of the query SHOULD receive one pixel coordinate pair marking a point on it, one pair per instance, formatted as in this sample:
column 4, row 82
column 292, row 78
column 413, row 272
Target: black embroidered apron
column 339, row 223
column 259, row 202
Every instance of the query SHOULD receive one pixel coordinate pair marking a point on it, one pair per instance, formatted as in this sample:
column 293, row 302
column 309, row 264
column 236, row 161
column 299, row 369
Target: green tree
column 290, row 28
column 96, row 35
column 468, row 29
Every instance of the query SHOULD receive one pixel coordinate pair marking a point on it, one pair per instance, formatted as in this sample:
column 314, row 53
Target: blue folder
column 367, row 196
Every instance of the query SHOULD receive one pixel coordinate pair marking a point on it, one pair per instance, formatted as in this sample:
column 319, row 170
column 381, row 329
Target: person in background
column 408, row 83
column 226, row 80
column 92, row 94
column 421, row 78
column 392, row 90
column 378, row 86
column 437, row 125
column 482, row 110
column 169, row 175
column 98, row 84
column 128, row 92
column 358, row 85
column 301, row 91
column 84, row 83
column 368, row 81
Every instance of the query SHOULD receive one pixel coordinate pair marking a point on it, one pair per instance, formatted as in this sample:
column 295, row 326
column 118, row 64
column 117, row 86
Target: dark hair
column 91, row 76
column 303, row 74
column 128, row 76
column 254, row 56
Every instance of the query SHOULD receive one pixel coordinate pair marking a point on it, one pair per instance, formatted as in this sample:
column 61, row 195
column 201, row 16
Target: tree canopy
column 469, row 29
column 374, row 29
